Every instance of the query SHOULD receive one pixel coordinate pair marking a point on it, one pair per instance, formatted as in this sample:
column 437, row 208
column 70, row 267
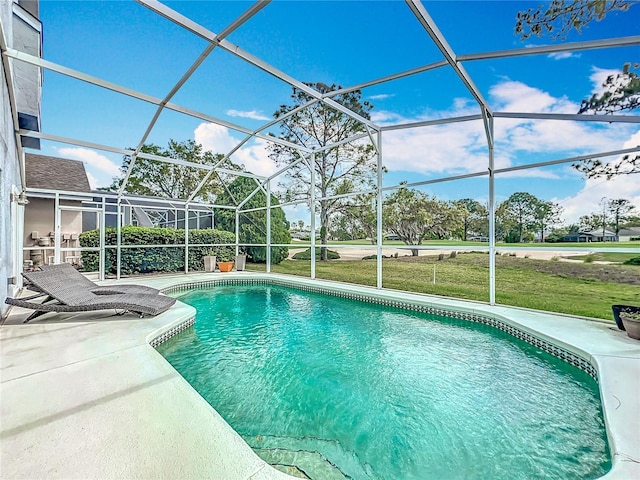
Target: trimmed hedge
column 306, row 254
column 155, row 259
column 633, row 261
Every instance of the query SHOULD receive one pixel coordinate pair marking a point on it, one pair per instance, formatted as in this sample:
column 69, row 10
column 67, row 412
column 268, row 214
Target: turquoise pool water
column 338, row 388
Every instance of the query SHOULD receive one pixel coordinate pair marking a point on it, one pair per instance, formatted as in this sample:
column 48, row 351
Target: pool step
column 301, row 463
column 310, row 457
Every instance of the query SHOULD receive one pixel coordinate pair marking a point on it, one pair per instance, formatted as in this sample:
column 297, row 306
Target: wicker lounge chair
column 68, row 297
column 67, row 273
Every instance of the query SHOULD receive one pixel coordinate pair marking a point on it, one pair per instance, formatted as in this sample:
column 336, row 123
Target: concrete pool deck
column 86, row 396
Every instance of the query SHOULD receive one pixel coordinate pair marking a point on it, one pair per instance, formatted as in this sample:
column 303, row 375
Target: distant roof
column 55, row 173
column 630, row 231
column 598, row 232
column 593, row 233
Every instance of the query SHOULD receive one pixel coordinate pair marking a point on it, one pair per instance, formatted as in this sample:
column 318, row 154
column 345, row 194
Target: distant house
column 590, row 236
column 45, row 173
column 300, row 235
column 477, row 238
column 629, row 234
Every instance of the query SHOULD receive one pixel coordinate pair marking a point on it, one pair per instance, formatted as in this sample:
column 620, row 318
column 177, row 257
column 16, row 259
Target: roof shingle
column 55, row 173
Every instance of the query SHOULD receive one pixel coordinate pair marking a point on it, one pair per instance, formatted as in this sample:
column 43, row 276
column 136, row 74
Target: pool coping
column 615, row 362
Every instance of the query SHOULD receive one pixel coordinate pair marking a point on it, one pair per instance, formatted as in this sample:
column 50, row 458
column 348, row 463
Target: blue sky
column 344, row 43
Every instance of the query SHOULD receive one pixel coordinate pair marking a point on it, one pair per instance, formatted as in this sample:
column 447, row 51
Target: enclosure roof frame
column 455, row 62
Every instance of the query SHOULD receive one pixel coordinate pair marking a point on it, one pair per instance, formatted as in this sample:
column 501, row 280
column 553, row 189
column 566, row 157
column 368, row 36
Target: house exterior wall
column 20, row 30
column 10, row 178
column 628, row 238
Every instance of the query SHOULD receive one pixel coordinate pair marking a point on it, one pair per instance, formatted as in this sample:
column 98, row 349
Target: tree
column 546, row 214
column 357, row 219
column 621, row 91
column 475, row 217
column 345, row 227
column 558, row 234
column 557, row 18
column 414, row 216
column 518, row 212
column 253, row 225
column 594, row 168
column 346, row 168
column 631, row 221
column 160, row 179
column 620, row 210
column 593, row 221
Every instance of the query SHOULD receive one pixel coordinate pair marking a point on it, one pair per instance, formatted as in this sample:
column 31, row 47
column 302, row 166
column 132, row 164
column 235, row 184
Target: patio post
column 237, row 229
column 186, row 237
column 312, row 208
column 379, row 213
column 119, row 239
column 268, row 238
column 103, row 250
column 57, row 236
column 492, row 211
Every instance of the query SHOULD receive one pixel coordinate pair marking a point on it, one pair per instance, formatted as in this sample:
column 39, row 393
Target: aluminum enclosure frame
column 374, row 132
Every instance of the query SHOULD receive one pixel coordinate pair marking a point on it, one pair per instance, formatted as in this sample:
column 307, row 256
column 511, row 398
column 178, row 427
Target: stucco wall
column 9, row 170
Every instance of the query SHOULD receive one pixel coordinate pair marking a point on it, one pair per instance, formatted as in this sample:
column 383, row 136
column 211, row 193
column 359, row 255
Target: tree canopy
column 160, row 179
column 475, row 218
column 557, row 18
column 346, row 168
column 414, row 216
column 253, row 225
column 621, row 91
column 355, row 219
column 620, row 210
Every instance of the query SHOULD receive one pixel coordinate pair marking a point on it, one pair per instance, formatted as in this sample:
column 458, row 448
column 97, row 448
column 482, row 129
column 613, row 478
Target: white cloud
column 512, row 96
column 461, row 147
column 254, row 156
column 100, row 170
column 92, row 159
column 382, row 117
column 93, row 182
column 587, row 199
column 563, row 55
column 252, row 114
column 532, row 173
column 382, row 96
column 599, row 76
column 215, row 138
column 452, row 148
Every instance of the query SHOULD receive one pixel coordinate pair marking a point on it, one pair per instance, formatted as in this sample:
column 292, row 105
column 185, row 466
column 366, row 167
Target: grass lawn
column 574, row 288
column 606, row 256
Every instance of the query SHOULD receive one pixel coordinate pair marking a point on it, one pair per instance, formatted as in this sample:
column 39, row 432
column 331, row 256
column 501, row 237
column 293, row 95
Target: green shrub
column 375, row 257
column 306, row 255
column 632, row 261
column 252, row 228
column 156, row 258
column 589, row 258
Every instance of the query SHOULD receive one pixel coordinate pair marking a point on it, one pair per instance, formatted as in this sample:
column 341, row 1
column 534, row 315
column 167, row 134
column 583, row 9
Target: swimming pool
column 339, row 387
